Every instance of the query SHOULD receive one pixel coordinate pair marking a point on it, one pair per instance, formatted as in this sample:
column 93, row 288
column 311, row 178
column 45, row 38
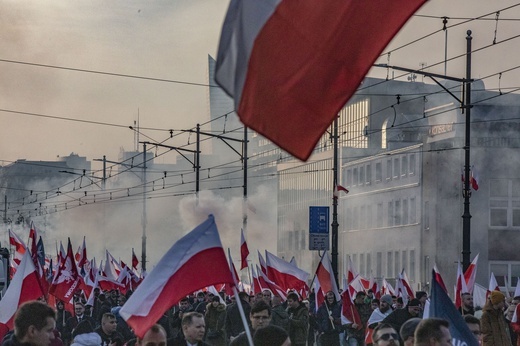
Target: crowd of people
column 215, row 319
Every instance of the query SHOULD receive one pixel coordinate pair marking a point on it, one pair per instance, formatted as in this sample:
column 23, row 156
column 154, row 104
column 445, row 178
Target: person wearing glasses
column 385, row 335
column 260, row 316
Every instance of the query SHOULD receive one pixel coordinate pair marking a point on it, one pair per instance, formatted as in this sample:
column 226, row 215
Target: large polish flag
column 185, row 268
column 25, row 286
column 292, row 65
column 286, row 275
column 267, row 284
column 325, row 278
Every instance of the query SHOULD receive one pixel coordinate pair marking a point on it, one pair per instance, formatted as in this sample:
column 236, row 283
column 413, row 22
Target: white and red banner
column 182, row 270
column 325, row 279
column 244, row 250
column 286, row 275
column 291, row 65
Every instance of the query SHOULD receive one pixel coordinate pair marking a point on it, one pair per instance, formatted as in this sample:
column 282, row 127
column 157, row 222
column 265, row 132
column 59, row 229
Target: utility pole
column 335, row 225
column 466, row 107
column 144, row 221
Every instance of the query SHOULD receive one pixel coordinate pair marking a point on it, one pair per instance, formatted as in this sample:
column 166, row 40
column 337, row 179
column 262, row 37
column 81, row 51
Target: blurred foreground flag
column 292, row 65
column 195, row 261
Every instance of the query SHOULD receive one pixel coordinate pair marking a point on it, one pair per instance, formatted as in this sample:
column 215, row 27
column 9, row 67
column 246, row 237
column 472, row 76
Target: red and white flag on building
column 316, row 67
column 471, row 273
column 182, row 270
column 325, row 279
column 24, row 287
column 67, row 279
column 286, row 275
column 244, row 251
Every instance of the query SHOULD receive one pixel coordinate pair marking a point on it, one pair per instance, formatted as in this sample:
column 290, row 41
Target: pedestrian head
column 155, row 336
column 271, row 335
column 433, row 331
column 193, row 327
column 34, row 323
column 407, row 331
column 385, row 335
column 260, row 314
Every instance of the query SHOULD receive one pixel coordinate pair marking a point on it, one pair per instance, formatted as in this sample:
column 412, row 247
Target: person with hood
column 329, row 320
column 492, row 323
column 399, row 316
column 84, row 335
column 215, row 322
column 298, row 320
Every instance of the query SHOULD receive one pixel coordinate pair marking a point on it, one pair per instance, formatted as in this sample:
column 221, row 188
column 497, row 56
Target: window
column 296, row 240
column 379, row 172
column 412, row 266
column 379, row 264
column 390, row 221
column 404, row 261
column 426, row 216
column 362, row 217
column 349, row 177
column 290, row 240
column 369, row 222
column 502, row 269
column 354, row 177
column 504, row 203
column 389, row 264
column 362, row 264
column 412, row 164
column 396, row 168
column 361, row 180
column 397, row 266
column 369, row 174
column 404, row 166
column 389, row 169
column 405, row 212
column 355, row 218
column 369, row 264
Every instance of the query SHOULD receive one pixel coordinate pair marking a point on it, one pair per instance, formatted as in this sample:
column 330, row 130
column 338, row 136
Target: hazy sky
column 170, row 40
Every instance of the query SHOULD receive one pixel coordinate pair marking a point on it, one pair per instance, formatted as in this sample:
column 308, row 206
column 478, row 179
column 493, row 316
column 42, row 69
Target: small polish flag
column 339, row 188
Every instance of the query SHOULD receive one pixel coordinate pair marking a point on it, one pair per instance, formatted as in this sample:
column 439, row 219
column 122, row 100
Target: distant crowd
column 203, row 318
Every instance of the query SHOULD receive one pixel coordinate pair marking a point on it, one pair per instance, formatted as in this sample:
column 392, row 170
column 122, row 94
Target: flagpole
column 243, row 316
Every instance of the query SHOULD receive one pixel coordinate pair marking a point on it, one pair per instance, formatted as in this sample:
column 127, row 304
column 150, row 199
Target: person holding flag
column 329, row 320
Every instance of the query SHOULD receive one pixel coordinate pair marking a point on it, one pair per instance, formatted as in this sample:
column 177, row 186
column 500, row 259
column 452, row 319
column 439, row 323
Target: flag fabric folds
column 286, row 275
column 183, row 269
column 441, row 306
column 135, row 261
column 25, row 286
column 244, row 251
column 67, row 279
column 471, row 273
column 290, row 66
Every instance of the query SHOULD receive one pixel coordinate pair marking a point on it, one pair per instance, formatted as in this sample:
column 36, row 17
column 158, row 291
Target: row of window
column 396, row 168
column 388, row 265
column 398, row 212
column 504, row 203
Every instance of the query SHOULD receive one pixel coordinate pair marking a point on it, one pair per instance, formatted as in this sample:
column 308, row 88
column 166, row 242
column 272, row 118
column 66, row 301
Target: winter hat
column 387, row 299
column 496, row 297
column 414, row 302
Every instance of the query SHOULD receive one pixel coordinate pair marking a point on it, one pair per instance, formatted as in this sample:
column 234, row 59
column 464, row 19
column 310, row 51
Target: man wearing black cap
column 399, row 316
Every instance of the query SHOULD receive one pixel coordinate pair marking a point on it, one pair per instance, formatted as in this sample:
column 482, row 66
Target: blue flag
column 441, row 306
column 41, row 252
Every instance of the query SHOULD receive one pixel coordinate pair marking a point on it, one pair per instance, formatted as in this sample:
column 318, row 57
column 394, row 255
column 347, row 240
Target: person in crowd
column 399, row 316
column 34, row 324
column 385, row 335
column 155, row 336
column 234, row 324
column 279, row 315
column 183, row 307
column 271, row 336
column 422, row 296
column 72, row 322
column 407, row 331
column 266, row 296
column 328, row 318
column 215, row 320
column 200, row 303
column 369, row 296
column 374, row 304
column 515, row 323
column 399, row 304
column 108, row 331
column 193, row 329
column 84, row 335
column 356, row 331
column 433, row 332
column 260, row 316
column 466, row 307
column 492, row 323
column 379, row 314
column 298, row 320
column 62, row 317
column 473, row 324
column 103, row 307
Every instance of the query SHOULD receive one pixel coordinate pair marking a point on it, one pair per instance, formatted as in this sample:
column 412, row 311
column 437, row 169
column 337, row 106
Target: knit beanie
column 496, row 297
column 387, row 299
